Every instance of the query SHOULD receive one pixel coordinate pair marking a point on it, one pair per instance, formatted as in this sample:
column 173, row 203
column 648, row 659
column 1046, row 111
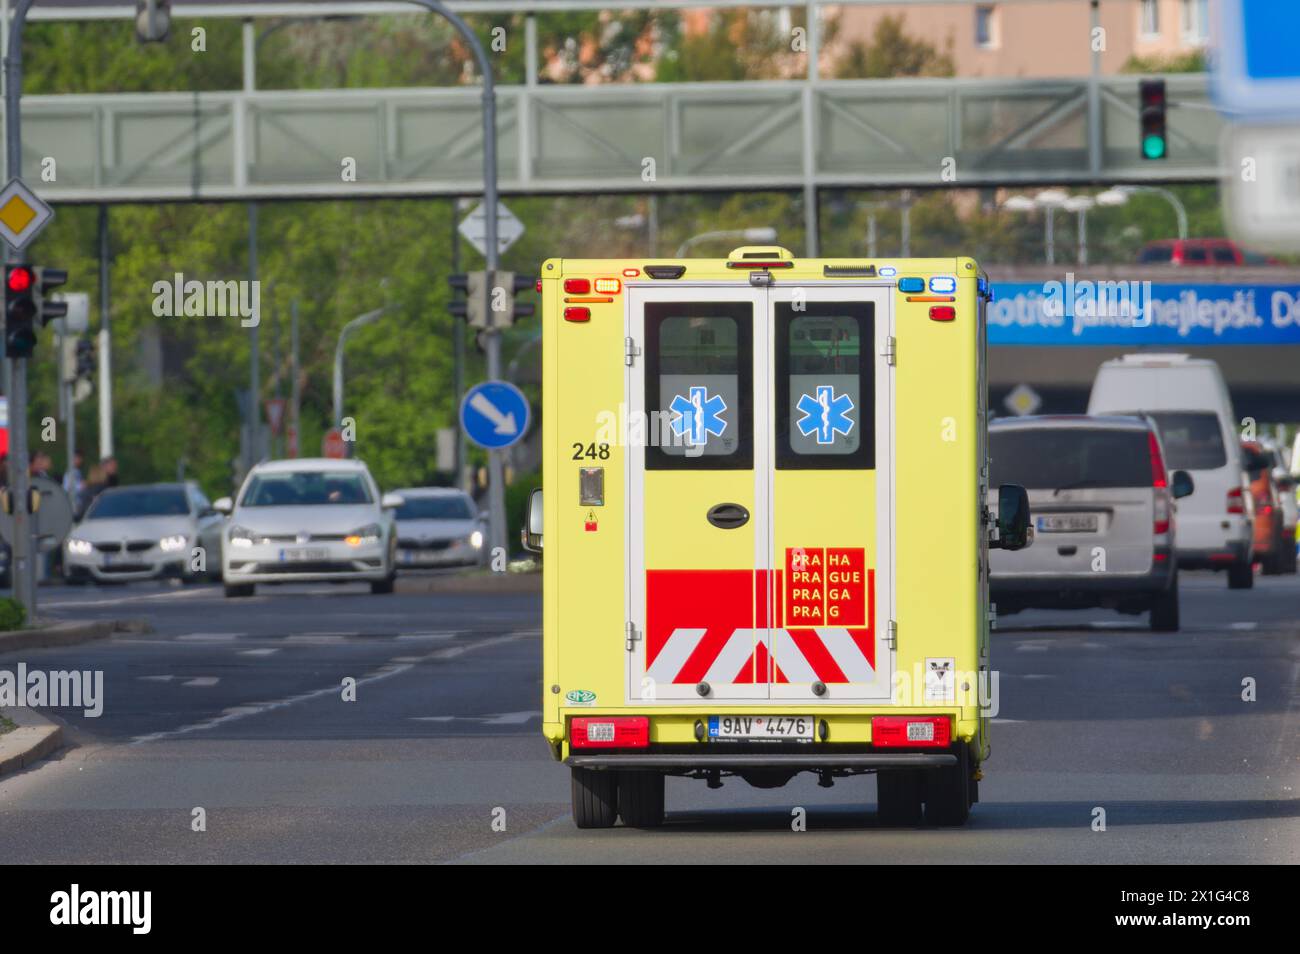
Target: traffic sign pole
column 21, row 566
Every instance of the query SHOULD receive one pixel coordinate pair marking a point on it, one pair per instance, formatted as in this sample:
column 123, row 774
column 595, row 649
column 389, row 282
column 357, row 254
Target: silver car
column 143, row 532
column 1103, row 513
column 309, row 520
column 438, row 526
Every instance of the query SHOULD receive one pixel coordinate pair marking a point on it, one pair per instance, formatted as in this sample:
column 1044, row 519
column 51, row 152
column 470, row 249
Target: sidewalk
column 34, row 737
column 49, row 632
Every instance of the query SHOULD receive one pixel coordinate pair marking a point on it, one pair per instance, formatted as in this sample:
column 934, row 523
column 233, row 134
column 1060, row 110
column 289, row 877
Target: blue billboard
column 1134, row 313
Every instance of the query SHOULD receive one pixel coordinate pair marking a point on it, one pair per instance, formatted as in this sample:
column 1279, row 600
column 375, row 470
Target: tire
column 641, row 799
column 1241, row 576
column 948, row 792
column 898, row 794
column 594, row 798
column 382, row 586
column 238, row 590
column 1164, row 610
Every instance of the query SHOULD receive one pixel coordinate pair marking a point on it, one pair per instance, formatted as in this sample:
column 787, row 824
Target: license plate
column 1068, row 523
column 761, row 727
column 303, row 556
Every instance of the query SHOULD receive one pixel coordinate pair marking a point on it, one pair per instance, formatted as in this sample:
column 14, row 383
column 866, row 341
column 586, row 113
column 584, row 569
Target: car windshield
column 305, row 488
column 435, row 508
column 1057, row 458
column 139, row 502
column 1193, row 440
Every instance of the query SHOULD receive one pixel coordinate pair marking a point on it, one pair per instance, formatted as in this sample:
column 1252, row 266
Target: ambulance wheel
column 898, row 795
column 641, row 799
column 237, row 590
column 594, row 798
column 1164, row 610
column 1241, row 576
column 947, row 792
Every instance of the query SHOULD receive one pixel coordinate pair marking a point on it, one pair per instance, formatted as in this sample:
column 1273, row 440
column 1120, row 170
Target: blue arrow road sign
column 494, row 414
column 1254, row 70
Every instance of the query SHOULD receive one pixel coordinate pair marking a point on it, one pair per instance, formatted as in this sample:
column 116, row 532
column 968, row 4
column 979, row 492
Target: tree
column 891, row 52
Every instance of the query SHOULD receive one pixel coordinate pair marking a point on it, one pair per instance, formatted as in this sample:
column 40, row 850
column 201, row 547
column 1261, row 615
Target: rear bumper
column 789, row 761
column 1216, row 558
column 1079, row 591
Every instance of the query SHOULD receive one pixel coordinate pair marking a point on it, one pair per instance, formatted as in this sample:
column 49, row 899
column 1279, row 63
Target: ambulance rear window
column 825, row 386
column 699, row 385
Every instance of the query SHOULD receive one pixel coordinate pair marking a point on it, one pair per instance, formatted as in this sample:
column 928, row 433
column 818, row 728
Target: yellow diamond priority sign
column 22, row 214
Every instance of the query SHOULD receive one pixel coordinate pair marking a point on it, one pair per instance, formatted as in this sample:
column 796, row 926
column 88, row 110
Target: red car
column 1200, row 251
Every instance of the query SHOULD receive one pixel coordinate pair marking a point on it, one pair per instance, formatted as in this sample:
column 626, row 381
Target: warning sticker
column 940, row 679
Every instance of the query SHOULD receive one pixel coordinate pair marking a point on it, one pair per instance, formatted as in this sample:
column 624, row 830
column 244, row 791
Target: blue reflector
column 911, row 285
column 985, row 290
column 943, row 285
column 888, row 271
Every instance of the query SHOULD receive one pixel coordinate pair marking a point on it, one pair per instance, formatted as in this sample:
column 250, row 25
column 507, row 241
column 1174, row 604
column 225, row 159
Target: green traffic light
column 1153, row 147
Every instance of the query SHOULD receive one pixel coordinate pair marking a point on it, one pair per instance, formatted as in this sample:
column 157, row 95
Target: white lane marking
column 252, row 709
column 208, row 637
column 155, row 678
column 1031, row 648
column 1006, row 721
column 256, row 652
column 202, row 682
column 1243, row 627
column 135, row 598
column 496, row 718
column 322, row 639
column 444, row 635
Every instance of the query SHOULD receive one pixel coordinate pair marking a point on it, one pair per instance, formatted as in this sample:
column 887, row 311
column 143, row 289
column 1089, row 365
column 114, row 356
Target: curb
column 66, row 634
column 35, row 738
column 473, row 582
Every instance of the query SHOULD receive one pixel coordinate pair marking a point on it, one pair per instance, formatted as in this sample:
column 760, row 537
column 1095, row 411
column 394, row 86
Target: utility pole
column 254, row 371
column 295, row 390
column 458, row 344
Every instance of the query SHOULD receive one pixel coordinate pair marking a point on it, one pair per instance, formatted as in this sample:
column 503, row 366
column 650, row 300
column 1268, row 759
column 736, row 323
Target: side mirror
column 391, row 501
column 1183, row 484
column 223, row 505
column 1013, row 518
column 531, row 537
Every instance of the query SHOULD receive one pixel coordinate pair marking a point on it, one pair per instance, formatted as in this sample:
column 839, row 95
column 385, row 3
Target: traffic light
column 85, row 361
column 490, row 297
column 1154, row 141
column 48, row 279
column 21, row 309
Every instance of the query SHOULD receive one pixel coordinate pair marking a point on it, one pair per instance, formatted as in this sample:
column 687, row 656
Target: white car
column 1189, row 402
column 143, row 532
column 438, row 526
column 309, row 520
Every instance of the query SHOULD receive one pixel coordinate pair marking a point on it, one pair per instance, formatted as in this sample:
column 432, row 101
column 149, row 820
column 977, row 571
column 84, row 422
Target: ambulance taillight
column 577, row 314
column 911, row 732
column 609, row 732
column 608, row 286
column 577, row 286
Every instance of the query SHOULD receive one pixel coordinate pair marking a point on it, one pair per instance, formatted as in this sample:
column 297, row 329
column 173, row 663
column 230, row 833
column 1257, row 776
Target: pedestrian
column 74, row 482
column 110, row 471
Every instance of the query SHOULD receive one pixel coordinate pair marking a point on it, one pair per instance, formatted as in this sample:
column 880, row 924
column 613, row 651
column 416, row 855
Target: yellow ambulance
column 763, row 528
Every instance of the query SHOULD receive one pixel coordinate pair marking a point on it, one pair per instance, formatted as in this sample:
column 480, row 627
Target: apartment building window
column 985, row 27
column 1196, row 17
column 1150, row 14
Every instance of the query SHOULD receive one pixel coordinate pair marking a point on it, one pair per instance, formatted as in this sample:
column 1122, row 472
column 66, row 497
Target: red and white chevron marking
column 724, row 627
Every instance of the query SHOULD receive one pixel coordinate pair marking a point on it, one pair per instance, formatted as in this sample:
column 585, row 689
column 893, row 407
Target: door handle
column 728, row 516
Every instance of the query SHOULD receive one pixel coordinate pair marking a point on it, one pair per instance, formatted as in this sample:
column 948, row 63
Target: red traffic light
column 20, row 279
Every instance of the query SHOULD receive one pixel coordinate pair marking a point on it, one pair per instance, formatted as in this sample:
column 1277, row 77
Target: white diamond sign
column 1023, row 400
column 474, row 228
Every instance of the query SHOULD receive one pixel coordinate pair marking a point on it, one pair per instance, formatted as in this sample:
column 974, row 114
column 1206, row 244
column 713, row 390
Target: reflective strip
column 738, row 649
column 846, row 653
column 672, row 657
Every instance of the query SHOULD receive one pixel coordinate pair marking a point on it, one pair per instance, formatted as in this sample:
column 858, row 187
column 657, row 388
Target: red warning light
column 20, row 279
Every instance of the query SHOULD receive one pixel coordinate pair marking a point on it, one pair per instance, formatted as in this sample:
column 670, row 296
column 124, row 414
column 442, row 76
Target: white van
column 1190, row 404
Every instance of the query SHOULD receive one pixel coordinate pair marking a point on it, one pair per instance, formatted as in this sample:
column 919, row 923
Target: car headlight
column 367, row 535
column 476, row 539
column 241, row 537
column 174, row 542
column 79, row 547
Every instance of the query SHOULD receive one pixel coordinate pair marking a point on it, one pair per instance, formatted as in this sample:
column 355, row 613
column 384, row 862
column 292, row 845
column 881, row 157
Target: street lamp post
column 348, row 330
column 1080, row 204
column 1118, row 195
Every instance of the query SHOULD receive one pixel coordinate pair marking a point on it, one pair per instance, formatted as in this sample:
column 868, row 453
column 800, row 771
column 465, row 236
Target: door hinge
column 890, row 354
column 630, row 351
column 891, row 634
column 632, row 636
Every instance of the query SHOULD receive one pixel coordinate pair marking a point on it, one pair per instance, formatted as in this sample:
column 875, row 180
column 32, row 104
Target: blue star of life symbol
column 698, row 415
column 825, row 414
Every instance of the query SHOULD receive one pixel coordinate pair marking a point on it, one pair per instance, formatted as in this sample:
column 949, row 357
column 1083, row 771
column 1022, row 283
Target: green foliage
column 891, row 52
column 12, row 614
column 1192, row 61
